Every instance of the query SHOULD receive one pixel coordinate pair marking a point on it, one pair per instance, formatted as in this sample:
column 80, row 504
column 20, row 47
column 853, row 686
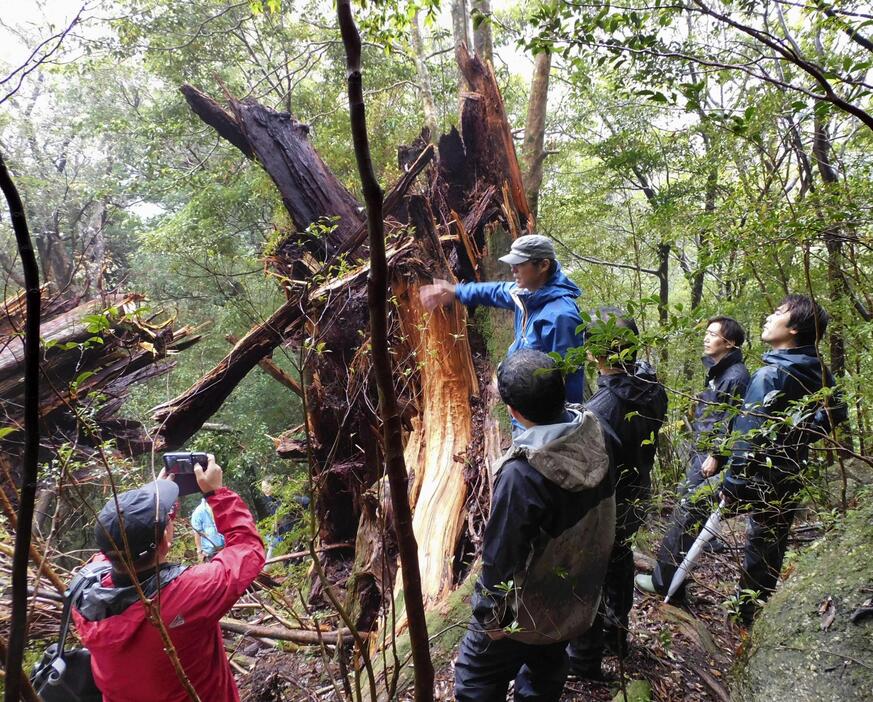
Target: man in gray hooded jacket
column 546, row 544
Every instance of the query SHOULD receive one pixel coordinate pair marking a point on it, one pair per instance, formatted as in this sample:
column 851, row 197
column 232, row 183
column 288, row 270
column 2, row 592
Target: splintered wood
column 437, row 446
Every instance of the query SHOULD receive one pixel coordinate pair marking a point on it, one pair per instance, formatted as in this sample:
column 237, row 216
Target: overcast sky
column 40, row 17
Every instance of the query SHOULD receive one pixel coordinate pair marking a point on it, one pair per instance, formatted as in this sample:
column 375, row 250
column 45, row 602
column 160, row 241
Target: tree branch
column 27, row 493
column 377, row 301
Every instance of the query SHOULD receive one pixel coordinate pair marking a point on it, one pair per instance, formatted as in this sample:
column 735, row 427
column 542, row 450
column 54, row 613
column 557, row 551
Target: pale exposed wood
column 436, row 450
column 469, row 244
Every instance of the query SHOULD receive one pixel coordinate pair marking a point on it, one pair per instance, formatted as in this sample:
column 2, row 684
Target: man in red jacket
column 134, row 535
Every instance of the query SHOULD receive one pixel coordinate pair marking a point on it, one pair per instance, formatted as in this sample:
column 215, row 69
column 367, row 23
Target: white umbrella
column 710, row 530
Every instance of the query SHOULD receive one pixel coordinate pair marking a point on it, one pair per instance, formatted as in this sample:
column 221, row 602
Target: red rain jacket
column 127, row 654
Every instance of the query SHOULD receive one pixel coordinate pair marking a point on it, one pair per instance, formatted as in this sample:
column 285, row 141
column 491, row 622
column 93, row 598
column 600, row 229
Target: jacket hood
column 559, row 285
column 98, row 602
column 714, row 369
column 640, row 389
column 802, row 363
column 565, row 453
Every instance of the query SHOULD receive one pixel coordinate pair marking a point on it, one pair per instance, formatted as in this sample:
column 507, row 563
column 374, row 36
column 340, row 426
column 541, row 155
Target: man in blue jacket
column 765, row 470
column 544, row 300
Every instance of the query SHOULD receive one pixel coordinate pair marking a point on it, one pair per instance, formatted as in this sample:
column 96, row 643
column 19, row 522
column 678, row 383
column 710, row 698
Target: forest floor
column 684, row 654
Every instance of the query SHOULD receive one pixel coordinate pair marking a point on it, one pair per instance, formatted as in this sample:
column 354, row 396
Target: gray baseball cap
column 527, row 247
column 145, row 511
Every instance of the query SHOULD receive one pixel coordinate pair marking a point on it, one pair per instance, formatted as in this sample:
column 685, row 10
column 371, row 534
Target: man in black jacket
column 546, row 543
column 765, row 470
column 630, row 400
column 726, row 381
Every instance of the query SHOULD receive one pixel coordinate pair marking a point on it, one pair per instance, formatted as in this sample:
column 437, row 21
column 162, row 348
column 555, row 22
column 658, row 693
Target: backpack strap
column 86, row 577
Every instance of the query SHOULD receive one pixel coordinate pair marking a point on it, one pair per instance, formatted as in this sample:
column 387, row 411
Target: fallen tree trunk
column 180, row 418
column 91, row 355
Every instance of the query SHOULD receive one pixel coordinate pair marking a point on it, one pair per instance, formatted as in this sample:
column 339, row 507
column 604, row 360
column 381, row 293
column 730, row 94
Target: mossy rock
column 789, row 656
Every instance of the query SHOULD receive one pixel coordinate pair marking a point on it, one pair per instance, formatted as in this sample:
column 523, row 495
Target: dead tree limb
column 27, row 492
column 496, row 134
column 377, row 301
column 270, row 368
column 304, row 637
column 181, row 417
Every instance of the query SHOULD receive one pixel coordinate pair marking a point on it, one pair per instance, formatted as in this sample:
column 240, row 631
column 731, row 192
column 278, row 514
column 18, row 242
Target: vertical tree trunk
column 532, row 153
column 424, row 85
column 377, row 301
column 703, row 239
column 460, row 34
column 27, row 493
column 664, row 281
column 821, row 149
column 482, row 41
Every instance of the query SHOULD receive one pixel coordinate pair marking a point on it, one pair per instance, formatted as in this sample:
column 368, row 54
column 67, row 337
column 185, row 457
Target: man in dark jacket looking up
column 726, row 381
column 544, row 300
column 135, row 534
column 765, row 470
column 546, row 543
column 631, row 401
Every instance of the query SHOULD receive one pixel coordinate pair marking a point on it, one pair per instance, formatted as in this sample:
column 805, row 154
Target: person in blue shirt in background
column 207, row 538
column 544, row 300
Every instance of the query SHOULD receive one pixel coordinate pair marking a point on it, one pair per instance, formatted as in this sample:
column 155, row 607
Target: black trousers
column 485, row 668
column 769, row 524
column 610, row 626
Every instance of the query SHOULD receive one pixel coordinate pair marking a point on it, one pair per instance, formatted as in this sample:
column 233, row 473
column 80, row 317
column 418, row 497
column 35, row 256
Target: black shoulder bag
column 65, row 676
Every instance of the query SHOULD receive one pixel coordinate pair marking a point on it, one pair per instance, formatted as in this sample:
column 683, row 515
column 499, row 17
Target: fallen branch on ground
column 306, row 637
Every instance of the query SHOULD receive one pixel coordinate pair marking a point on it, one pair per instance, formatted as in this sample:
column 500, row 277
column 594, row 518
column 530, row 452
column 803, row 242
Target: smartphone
column 181, row 465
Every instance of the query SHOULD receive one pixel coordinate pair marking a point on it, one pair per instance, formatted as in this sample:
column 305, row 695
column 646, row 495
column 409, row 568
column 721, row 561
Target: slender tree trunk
column 27, row 493
column 424, row 85
column 377, row 301
column 482, row 41
column 703, row 239
column 532, row 153
column 821, row 149
column 460, row 34
column 663, row 281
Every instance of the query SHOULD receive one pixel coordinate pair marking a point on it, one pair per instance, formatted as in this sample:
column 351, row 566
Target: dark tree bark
column 377, row 299
column 487, row 135
column 27, row 492
column 309, row 190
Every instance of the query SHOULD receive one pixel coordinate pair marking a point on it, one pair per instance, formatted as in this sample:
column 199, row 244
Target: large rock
column 793, row 653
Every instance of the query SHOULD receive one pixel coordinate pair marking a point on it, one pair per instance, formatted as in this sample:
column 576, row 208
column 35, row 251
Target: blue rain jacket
column 775, row 459
column 545, row 320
